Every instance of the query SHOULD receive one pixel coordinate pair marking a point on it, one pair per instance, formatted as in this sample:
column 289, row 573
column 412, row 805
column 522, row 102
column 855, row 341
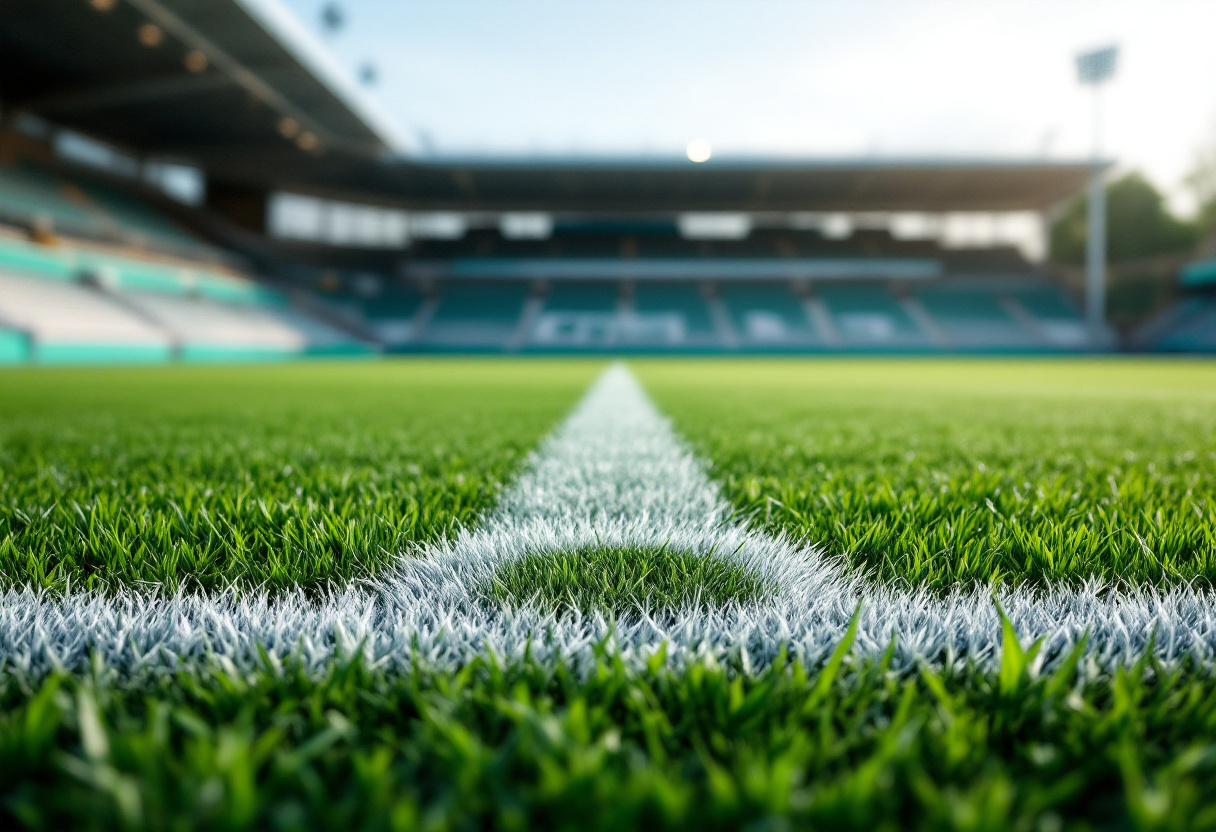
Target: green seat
column 14, row 347
column 26, row 258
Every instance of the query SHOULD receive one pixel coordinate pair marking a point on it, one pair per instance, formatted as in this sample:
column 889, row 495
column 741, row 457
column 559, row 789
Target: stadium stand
column 593, row 285
column 392, row 315
column 767, row 314
column 70, row 323
column 89, row 209
column 587, row 287
column 83, row 303
column 578, row 315
column 1050, row 312
column 679, row 309
column 974, row 318
column 1189, row 324
column 14, row 346
column 618, row 265
column 1202, row 273
column 868, row 315
column 476, row 315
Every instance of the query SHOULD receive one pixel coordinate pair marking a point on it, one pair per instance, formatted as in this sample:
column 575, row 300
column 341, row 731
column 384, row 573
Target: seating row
column 76, row 304
column 82, row 207
column 1017, row 314
column 128, row 270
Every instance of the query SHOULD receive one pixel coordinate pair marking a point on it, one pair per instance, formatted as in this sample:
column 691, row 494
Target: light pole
column 1094, row 68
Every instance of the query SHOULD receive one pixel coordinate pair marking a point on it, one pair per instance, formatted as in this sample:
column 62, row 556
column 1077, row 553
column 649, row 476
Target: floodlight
column 1097, row 66
column 698, row 150
column 195, row 61
column 151, row 35
column 1093, row 68
column 308, row 141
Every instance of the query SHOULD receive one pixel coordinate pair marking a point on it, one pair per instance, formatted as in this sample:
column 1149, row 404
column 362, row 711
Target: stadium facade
column 195, row 181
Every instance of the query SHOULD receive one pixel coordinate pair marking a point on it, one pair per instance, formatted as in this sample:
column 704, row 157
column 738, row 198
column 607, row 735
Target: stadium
column 344, row 483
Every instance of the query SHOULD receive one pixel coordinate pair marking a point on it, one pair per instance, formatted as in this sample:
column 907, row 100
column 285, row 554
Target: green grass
column 932, row 472
column 273, row 476
column 621, row 580
column 941, row 472
column 526, row 746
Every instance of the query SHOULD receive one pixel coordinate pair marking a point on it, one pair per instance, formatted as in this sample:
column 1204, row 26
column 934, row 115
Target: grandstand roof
column 269, row 108
column 743, row 185
column 95, row 67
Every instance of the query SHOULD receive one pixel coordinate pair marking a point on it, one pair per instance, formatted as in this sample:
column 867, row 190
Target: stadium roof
column 123, row 70
column 266, row 106
column 744, row 185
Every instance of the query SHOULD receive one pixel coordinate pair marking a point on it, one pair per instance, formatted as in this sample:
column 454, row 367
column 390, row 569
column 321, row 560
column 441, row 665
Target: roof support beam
column 134, row 92
column 183, row 31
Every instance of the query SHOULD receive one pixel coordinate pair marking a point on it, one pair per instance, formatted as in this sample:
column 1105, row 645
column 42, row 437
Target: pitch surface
column 402, row 697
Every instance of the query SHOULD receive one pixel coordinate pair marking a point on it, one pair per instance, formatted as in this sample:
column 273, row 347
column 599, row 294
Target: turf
column 526, row 746
column 620, row 581
column 926, row 472
column 945, row 472
column 271, row 476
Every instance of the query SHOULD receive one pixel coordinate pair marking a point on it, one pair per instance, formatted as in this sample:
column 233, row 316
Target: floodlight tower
column 1094, row 68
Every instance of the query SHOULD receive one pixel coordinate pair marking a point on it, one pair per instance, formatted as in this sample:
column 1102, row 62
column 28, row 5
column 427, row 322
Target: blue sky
column 781, row 77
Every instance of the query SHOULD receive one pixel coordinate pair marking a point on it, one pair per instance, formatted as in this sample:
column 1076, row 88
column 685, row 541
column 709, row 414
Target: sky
column 807, row 78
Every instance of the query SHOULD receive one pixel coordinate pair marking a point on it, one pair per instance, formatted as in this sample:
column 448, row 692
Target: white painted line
column 613, row 473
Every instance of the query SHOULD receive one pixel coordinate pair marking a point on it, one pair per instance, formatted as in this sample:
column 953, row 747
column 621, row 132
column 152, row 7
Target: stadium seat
column 21, row 257
column 583, row 297
column 975, row 318
column 206, row 330
column 476, row 314
column 68, row 323
column 869, row 315
column 393, row 303
column 683, row 300
column 1188, row 325
column 578, row 315
column 1053, row 313
column 14, row 346
column 1202, row 273
column 82, row 207
column 486, row 303
column 766, row 314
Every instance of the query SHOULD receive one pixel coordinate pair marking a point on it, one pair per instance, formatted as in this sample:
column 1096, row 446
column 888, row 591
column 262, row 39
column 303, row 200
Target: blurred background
column 213, row 180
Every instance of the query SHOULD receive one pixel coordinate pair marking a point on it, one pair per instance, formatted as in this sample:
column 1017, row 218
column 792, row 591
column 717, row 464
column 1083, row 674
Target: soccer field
column 679, row 594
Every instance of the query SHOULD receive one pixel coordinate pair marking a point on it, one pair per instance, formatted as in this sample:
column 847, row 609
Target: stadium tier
column 1016, row 314
column 634, row 285
column 1189, row 324
column 150, row 290
column 1200, row 274
column 69, row 323
column 75, row 303
column 82, row 207
column 765, row 314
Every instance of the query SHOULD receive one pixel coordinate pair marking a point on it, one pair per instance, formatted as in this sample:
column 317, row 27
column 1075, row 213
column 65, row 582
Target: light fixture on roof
column 288, row 127
column 195, row 61
column 308, row 141
column 103, row 5
column 1094, row 68
column 698, row 150
column 151, row 35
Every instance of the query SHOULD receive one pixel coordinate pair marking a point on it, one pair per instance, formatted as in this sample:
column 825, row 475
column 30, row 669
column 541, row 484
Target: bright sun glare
column 698, row 150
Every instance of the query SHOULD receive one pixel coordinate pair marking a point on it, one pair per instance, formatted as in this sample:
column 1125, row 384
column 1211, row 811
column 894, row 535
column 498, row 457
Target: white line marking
column 613, row 473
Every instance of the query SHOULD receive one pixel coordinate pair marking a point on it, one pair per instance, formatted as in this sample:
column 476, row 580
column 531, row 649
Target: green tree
column 1202, row 182
column 1137, row 225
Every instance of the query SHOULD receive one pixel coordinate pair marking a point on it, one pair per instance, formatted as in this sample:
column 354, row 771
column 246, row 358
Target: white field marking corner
column 613, row 473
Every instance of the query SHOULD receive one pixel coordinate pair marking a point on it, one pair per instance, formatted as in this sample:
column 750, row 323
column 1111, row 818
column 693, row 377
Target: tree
column 1137, row 225
column 1202, row 182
